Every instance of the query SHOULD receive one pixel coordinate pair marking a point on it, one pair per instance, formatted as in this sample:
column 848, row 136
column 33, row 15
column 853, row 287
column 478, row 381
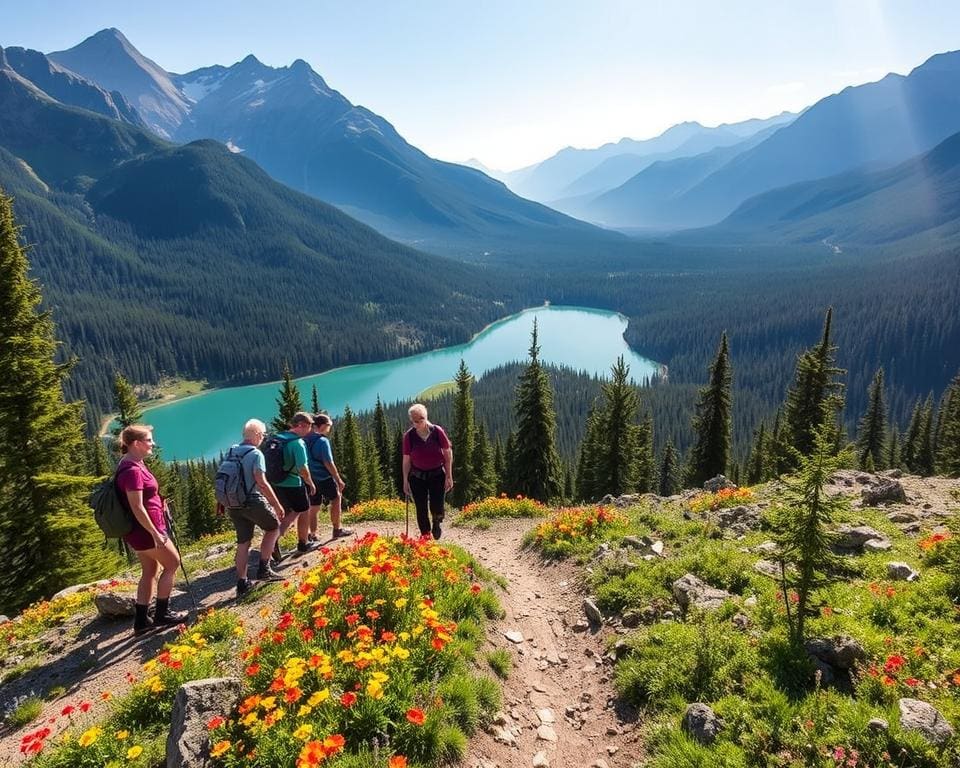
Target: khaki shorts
column 256, row 512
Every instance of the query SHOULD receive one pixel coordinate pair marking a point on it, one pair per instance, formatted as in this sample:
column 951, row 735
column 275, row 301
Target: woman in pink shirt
column 140, row 493
column 427, row 468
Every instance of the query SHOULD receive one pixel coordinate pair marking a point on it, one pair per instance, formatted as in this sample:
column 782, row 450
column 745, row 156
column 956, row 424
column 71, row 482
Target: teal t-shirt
column 294, row 456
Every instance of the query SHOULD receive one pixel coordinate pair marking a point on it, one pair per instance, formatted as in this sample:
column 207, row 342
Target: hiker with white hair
column 427, row 469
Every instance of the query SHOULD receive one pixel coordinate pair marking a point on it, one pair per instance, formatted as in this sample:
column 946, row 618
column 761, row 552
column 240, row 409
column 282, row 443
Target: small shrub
column 24, row 710
column 572, row 527
column 500, row 662
column 501, row 506
column 376, row 509
column 722, row 499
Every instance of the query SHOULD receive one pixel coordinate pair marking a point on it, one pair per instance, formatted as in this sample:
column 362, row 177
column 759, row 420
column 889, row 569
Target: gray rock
column 717, row 483
column 878, row 724
column 657, row 548
column 504, row 737
column 840, row 652
column 865, row 479
column 546, row 733
column 901, row 572
column 197, row 701
column 854, row 537
column 877, row 545
column 591, row 611
column 80, row 588
column 635, row 542
column 903, row 516
column 514, row 636
column 701, row 723
column 916, row 715
column 887, row 491
column 621, row 649
column 767, row 548
column 3, row 619
column 824, row 671
column 540, row 760
column 741, row 519
column 631, row 618
column 111, row 605
column 767, row 568
column 741, row 621
column 689, row 591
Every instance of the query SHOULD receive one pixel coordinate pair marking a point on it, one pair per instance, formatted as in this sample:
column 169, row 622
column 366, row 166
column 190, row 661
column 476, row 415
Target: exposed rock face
column 717, row 483
column 689, row 591
column 701, row 723
column 740, row 519
column 854, row 537
column 840, row 652
column 916, row 715
column 592, row 613
column 901, row 572
column 197, row 701
column 887, row 491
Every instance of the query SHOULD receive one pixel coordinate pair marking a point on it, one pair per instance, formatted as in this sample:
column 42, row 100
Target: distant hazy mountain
column 570, row 172
column 108, row 59
column 921, row 195
column 67, row 87
column 868, row 126
column 648, row 199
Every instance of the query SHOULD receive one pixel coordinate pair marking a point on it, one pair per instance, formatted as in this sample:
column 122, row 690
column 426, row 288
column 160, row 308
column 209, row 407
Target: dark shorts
column 294, row 500
column 256, row 512
column 327, row 490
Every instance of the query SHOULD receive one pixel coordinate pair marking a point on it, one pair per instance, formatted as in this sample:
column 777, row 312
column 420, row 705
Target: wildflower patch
column 570, row 527
column 722, row 499
column 502, row 506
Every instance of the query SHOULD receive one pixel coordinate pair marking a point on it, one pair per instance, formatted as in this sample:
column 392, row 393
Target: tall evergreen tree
column 710, row 453
column 871, row 432
column 911, row 444
column 758, row 461
column 925, row 456
column 645, row 468
column 892, row 455
column 349, row 457
column 485, row 480
column 396, row 460
column 47, row 534
column 499, row 467
column 586, row 486
column 125, row 400
column 948, row 439
column 535, row 461
column 288, row 401
column 381, row 438
column 615, row 437
column 375, row 486
column 463, row 439
column 508, row 479
column 815, row 397
column 669, row 480
column 315, row 400
column 201, row 512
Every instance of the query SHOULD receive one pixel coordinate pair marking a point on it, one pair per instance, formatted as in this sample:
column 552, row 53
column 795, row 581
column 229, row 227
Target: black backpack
column 273, row 449
column 110, row 513
column 230, row 484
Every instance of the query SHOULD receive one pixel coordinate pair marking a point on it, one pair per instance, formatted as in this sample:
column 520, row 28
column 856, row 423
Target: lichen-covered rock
column 197, row 701
column 901, row 572
column 916, row 715
column 717, row 483
column 701, row 723
column 854, row 537
column 840, row 652
column 690, row 591
column 887, row 491
column 111, row 605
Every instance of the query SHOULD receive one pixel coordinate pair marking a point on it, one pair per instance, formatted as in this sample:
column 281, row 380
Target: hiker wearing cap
column 296, row 487
column 427, row 468
column 326, row 477
column 261, row 509
column 149, row 538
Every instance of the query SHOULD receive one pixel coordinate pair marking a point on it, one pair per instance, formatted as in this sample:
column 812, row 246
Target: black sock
column 140, row 617
column 162, row 604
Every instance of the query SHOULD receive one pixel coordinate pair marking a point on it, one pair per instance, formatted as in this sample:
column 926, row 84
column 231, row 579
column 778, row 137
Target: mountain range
column 311, row 138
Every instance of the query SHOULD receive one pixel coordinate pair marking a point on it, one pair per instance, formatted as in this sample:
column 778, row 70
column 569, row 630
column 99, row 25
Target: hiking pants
column 427, row 489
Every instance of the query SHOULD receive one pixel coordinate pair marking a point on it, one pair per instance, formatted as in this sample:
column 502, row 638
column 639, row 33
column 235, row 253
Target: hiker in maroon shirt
column 427, row 469
column 150, row 540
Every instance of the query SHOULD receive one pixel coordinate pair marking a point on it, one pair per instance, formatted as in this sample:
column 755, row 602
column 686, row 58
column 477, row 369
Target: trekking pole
column 176, row 545
column 406, row 498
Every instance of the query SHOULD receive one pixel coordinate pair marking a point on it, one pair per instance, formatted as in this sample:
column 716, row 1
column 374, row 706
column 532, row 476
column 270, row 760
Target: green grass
column 500, row 662
column 25, row 712
column 437, row 390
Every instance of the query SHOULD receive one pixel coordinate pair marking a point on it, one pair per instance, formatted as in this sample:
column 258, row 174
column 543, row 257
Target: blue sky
column 510, row 83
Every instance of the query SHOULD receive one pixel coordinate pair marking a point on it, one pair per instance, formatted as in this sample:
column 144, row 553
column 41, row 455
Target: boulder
column 854, row 537
column 840, row 652
column 916, row 715
column 740, row 519
column 689, row 591
column 887, row 491
column 111, row 605
column 901, row 572
column 701, row 723
column 903, row 516
column 717, row 483
column 591, row 611
column 80, row 588
column 197, row 701
column 877, row 545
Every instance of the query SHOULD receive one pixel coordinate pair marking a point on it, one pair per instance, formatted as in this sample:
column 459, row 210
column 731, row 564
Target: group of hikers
column 310, row 479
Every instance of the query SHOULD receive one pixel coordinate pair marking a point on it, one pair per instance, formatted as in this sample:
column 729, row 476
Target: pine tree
column 892, row 456
column 871, row 432
column 948, row 439
column 201, row 502
column 535, row 462
column 614, row 437
column 499, row 467
column 911, row 446
column 485, row 480
column 508, row 480
column 710, row 453
column 925, row 456
column 43, row 514
column 645, row 469
column 375, row 487
column 758, row 463
column 98, row 460
column 315, row 400
column 802, row 529
column 349, row 457
column 125, row 401
column 288, row 401
column 585, row 480
column 669, row 480
column 815, row 386
column 463, row 439
column 381, row 437
column 396, row 461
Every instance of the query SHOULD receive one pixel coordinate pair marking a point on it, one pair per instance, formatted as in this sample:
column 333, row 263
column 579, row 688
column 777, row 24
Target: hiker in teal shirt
column 295, row 489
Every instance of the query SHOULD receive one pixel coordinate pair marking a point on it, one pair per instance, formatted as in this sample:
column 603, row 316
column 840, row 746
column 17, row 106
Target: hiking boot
column 243, row 587
column 339, row 533
column 165, row 617
column 266, row 573
column 277, row 555
column 145, row 629
column 312, row 537
column 307, row 546
column 436, row 529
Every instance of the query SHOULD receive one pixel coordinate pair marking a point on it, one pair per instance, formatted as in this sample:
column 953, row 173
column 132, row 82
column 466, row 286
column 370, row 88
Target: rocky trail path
column 559, row 706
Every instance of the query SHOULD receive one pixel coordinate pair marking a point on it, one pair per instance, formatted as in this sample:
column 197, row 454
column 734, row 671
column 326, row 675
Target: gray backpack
column 230, row 485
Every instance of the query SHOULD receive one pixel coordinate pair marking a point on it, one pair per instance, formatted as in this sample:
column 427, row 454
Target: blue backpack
column 230, row 485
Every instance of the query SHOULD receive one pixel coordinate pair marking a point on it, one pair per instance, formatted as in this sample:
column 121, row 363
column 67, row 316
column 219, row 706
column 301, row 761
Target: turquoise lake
column 584, row 339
